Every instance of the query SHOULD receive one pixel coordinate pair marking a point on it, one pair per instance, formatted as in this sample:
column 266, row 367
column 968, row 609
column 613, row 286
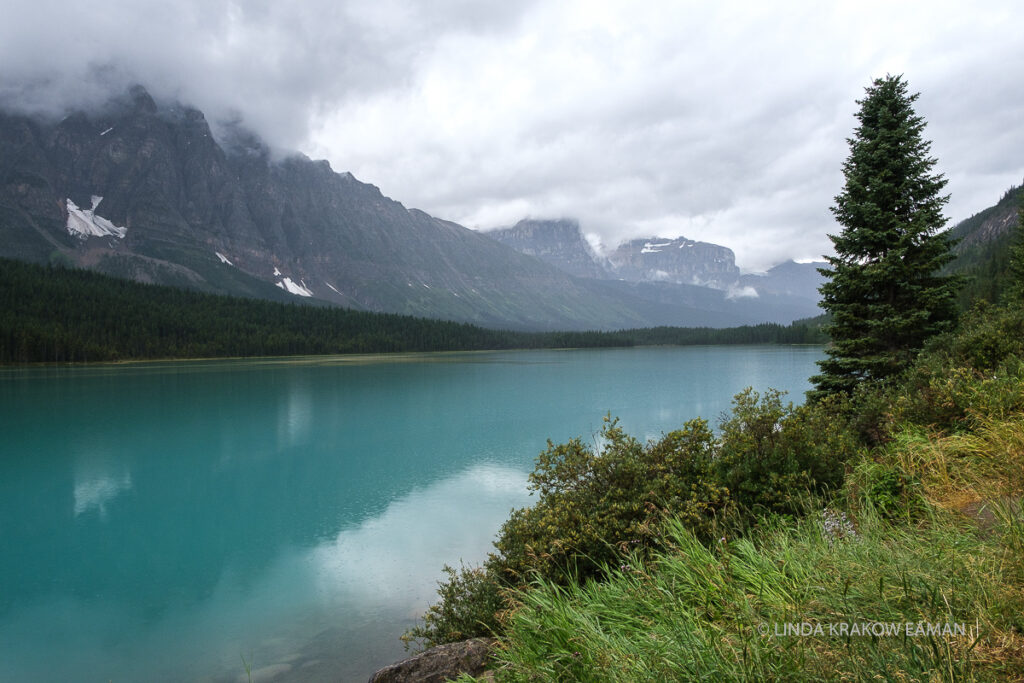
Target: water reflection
column 93, row 492
column 373, row 559
column 377, row 576
column 295, row 416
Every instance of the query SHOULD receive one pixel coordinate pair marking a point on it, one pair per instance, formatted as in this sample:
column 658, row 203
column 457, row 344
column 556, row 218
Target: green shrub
column 593, row 505
column 986, row 338
column 978, row 371
column 772, row 455
column 470, row 606
column 599, row 508
column 886, row 488
column 868, row 413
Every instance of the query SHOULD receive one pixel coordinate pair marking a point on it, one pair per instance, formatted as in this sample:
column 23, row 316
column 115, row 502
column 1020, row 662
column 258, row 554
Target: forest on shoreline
column 53, row 314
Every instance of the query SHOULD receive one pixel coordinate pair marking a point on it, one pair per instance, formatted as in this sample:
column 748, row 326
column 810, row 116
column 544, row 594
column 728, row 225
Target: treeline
column 55, row 314
column 800, row 332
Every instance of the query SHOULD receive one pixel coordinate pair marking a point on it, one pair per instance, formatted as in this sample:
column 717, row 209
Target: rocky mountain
column 148, row 192
column 664, row 271
column 558, row 242
column 788, row 279
column 678, row 260
column 988, row 225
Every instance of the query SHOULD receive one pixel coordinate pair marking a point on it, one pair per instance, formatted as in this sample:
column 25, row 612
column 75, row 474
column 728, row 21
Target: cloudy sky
column 721, row 121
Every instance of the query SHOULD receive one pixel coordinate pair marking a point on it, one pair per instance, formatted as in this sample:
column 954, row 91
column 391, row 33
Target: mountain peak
column 679, row 260
column 559, row 242
column 141, row 100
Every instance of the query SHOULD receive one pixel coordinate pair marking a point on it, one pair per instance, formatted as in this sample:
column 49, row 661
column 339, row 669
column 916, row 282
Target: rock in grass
column 441, row 663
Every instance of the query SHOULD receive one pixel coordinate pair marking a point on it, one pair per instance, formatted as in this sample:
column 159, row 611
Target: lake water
column 170, row 521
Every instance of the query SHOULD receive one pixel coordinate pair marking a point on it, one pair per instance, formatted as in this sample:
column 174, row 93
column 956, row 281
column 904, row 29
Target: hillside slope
column 982, row 252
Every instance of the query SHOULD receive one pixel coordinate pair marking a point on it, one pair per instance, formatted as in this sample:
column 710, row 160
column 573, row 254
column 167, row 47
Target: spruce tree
column 1015, row 287
column 884, row 291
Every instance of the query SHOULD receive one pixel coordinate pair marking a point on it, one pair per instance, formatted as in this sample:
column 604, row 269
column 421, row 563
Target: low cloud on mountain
column 724, row 122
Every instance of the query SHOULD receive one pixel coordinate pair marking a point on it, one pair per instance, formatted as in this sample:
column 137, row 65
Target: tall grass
column 985, row 463
column 699, row 613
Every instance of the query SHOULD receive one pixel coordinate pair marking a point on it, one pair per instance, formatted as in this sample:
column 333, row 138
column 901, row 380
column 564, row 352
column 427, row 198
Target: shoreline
column 365, row 358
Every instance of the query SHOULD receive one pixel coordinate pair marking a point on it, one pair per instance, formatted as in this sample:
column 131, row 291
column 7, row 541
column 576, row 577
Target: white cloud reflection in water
column 340, row 606
column 95, row 492
column 399, row 553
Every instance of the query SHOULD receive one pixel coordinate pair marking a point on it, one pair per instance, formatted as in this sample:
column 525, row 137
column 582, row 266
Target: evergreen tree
column 884, row 290
column 1015, row 287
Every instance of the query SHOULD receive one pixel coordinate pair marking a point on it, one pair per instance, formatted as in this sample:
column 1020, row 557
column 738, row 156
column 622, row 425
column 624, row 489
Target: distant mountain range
column 667, row 269
column 147, row 192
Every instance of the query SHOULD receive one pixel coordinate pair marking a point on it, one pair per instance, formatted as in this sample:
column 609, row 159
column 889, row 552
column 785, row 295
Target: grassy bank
column 750, row 608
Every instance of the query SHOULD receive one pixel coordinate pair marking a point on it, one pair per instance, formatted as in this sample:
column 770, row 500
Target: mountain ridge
column 225, row 215
column 663, row 269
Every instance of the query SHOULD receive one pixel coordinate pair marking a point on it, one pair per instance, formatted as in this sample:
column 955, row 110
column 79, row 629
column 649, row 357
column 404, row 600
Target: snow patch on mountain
column 84, row 223
column 298, row 288
column 654, row 247
column 223, row 258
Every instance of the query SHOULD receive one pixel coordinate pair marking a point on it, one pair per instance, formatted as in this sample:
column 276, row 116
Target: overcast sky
column 721, row 121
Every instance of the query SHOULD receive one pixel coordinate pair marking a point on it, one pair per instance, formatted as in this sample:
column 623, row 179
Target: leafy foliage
column 772, row 455
column 884, row 291
column 595, row 506
column 601, row 508
column 471, row 605
column 977, row 370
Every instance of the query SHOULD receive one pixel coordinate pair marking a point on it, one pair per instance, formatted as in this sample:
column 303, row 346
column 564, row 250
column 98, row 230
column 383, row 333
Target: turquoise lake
column 168, row 521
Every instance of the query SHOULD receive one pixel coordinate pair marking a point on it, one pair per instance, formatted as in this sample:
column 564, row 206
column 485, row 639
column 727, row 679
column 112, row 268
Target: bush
column 886, row 488
column 592, row 505
column 771, row 456
column 606, row 507
column 471, row 604
column 986, row 338
column 979, row 370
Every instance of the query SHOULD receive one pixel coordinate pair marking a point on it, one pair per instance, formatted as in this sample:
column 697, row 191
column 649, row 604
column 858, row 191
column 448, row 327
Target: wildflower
column 837, row 526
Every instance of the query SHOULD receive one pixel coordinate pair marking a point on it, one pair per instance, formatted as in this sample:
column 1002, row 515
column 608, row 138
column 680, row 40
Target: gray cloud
column 277, row 65
column 722, row 122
